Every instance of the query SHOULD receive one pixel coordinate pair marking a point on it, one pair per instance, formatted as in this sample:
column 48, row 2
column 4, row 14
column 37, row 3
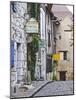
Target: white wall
column 43, row 50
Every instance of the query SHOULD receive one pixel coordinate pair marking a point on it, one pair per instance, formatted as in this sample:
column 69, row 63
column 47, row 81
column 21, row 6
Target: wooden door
column 63, row 76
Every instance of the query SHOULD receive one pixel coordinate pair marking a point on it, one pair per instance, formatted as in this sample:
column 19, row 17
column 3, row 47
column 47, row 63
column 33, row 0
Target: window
column 48, row 39
column 13, row 6
column 67, row 30
column 63, row 55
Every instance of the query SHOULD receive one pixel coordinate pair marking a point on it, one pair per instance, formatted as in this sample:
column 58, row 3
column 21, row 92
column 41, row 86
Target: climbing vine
column 33, row 47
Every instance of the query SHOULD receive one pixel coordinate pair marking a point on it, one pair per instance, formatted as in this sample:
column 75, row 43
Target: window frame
column 64, row 54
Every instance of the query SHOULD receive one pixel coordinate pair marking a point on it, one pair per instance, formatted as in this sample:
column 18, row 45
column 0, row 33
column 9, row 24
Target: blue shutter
column 12, row 53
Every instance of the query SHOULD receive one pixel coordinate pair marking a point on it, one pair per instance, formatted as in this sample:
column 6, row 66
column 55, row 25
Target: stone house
column 18, row 45
column 64, row 42
column 47, row 40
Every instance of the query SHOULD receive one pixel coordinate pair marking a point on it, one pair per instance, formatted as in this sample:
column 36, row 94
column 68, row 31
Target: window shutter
column 12, row 53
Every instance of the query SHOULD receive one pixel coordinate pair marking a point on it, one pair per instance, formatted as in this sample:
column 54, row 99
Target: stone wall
column 64, row 44
column 18, row 35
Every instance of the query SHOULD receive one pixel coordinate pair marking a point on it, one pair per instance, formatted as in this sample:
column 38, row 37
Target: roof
column 59, row 8
column 61, row 11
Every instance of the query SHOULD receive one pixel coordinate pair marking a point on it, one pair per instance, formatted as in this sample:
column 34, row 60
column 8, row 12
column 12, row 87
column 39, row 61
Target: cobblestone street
column 47, row 88
column 56, row 88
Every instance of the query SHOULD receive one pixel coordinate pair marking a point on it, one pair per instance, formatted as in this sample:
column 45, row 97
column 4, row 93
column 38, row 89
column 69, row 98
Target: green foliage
column 50, row 55
column 54, row 77
column 33, row 47
column 35, row 43
column 55, row 63
column 35, row 10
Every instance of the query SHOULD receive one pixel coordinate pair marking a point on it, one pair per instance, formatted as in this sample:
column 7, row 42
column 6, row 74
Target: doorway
column 63, row 75
column 18, row 61
column 48, row 66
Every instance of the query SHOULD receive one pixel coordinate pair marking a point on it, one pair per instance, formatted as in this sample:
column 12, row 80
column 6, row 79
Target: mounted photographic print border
column 41, row 49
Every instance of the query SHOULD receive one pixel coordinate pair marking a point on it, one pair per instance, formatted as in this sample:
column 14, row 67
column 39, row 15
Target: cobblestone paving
column 35, row 86
column 56, row 88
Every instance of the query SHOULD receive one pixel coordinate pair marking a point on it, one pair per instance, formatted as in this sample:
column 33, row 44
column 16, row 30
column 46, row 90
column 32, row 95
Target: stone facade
column 18, row 37
column 47, row 38
column 64, row 44
column 42, row 37
column 47, row 35
column 49, row 42
column 56, row 36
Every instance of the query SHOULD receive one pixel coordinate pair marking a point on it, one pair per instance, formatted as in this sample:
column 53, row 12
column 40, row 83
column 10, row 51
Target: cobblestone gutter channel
column 39, row 88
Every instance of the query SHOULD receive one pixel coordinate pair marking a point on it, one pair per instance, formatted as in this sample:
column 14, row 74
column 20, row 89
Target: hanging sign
column 32, row 26
column 56, row 56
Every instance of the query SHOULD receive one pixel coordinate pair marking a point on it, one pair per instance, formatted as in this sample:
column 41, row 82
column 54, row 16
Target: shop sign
column 32, row 26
